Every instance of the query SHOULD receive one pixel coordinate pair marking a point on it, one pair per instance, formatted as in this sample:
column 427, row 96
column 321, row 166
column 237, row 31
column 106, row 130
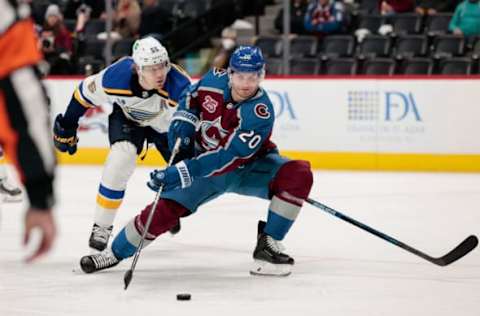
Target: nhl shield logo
column 210, row 104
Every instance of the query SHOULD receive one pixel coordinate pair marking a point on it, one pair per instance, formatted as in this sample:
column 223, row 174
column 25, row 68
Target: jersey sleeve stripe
column 77, row 95
column 163, row 92
column 181, row 71
column 211, row 89
column 117, row 91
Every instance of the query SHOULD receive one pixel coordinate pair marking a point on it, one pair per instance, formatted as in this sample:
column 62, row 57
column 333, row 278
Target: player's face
column 153, row 77
column 244, row 84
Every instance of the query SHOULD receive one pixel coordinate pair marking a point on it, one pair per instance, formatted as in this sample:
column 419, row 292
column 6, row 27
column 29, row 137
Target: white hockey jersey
column 118, row 85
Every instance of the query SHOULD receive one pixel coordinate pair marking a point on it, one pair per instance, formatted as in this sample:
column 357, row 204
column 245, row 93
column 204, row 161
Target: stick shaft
column 129, row 273
column 461, row 250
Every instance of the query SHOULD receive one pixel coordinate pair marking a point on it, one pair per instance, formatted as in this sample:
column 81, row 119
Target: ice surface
column 340, row 269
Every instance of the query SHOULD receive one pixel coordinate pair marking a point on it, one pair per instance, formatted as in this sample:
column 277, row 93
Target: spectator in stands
column 38, row 9
column 432, row 7
column 324, row 17
column 227, row 46
column 390, row 7
column 84, row 10
column 126, row 21
column 56, row 42
column 155, row 19
column 297, row 13
column 466, row 19
column 96, row 8
column 127, row 18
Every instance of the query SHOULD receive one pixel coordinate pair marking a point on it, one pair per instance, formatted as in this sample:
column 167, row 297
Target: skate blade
column 12, row 199
column 263, row 268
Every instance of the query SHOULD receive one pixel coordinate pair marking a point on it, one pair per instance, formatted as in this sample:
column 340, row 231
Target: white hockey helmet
column 148, row 51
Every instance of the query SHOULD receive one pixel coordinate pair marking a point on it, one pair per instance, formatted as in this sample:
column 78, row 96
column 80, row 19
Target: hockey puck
column 184, row 297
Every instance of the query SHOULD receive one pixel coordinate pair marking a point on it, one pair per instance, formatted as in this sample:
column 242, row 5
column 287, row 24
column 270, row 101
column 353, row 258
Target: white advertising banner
column 389, row 116
column 93, row 126
column 346, row 115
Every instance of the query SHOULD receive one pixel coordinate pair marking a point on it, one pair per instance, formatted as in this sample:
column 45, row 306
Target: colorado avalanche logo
column 212, row 133
column 261, row 111
column 210, row 104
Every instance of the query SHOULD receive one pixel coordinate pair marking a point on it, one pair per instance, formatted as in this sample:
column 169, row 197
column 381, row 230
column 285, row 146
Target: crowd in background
column 324, row 17
column 63, row 25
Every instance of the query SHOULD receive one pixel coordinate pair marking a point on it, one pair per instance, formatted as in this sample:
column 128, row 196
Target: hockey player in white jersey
column 144, row 90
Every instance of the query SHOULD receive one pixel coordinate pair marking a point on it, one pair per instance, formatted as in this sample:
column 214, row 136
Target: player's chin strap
column 458, row 252
column 127, row 278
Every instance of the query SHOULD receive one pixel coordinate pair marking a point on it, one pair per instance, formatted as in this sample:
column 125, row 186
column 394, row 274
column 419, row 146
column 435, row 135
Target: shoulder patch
column 219, row 72
column 92, row 87
column 261, row 110
column 210, row 104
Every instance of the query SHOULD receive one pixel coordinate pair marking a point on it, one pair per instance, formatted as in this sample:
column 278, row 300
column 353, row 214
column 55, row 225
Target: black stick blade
column 461, row 250
column 127, row 278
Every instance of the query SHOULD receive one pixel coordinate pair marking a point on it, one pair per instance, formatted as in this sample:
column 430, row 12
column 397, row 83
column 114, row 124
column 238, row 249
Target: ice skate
column 99, row 237
column 269, row 260
column 9, row 192
column 99, row 261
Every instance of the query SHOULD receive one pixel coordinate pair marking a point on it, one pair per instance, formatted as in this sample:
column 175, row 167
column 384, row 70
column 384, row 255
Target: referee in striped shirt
column 24, row 120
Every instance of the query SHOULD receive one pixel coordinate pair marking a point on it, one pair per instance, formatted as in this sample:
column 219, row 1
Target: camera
column 85, row 9
column 47, row 42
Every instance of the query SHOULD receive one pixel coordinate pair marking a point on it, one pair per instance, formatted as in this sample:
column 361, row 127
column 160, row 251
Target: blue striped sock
column 121, row 247
column 277, row 226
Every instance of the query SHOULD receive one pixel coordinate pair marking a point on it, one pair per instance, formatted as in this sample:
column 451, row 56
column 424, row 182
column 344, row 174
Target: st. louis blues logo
column 261, row 111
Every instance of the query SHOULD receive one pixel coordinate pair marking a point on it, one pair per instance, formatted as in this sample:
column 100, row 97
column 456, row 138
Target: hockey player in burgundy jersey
column 224, row 122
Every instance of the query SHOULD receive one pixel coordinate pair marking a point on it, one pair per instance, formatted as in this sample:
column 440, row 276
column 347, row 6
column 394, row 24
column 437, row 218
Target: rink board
column 342, row 123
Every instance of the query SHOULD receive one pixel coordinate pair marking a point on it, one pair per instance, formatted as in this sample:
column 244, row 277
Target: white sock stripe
column 7, row 16
column 284, row 209
column 133, row 235
column 30, row 94
column 290, row 198
column 3, row 171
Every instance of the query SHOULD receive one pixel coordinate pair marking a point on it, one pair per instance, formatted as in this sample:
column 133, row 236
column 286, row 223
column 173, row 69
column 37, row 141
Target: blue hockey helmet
column 247, row 59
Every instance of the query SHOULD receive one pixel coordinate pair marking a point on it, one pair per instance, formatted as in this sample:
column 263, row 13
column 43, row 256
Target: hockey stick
column 458, row 252
column 127, row 278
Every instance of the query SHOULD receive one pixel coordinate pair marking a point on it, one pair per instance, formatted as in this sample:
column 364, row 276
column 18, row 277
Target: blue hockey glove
column 183, row 126
column 65, row 139
column 173, row 177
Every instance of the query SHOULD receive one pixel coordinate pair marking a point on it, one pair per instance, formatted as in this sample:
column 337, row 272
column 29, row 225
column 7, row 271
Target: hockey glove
column 183, row 126
column 65, row 139
column 173, row 177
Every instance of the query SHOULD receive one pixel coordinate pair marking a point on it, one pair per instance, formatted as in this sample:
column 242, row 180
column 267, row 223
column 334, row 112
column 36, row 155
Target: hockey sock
column 126, row 242
column 108, row 202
